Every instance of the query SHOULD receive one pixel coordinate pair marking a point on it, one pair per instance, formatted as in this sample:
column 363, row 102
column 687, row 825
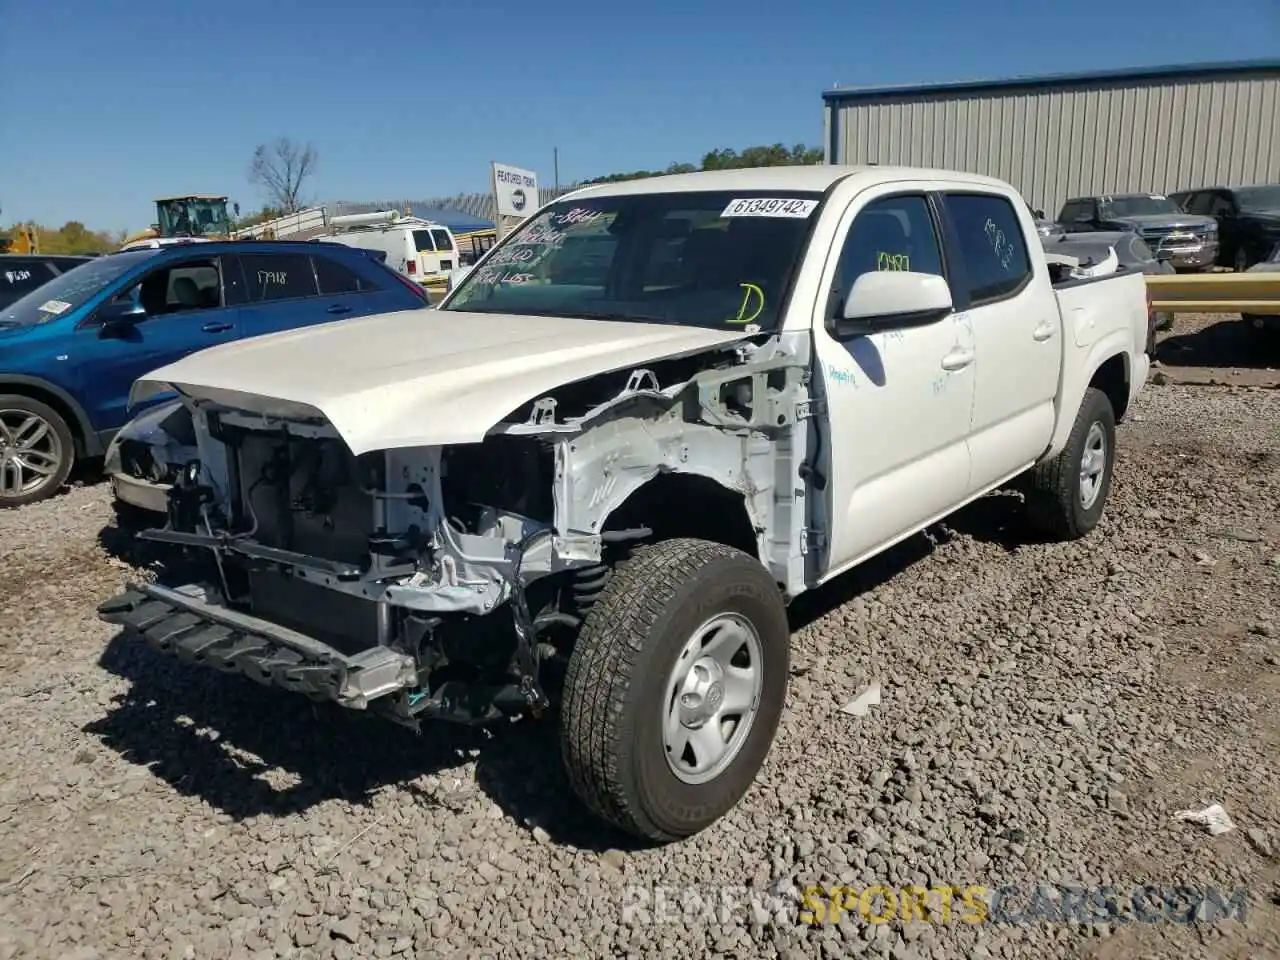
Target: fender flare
column 90, row 444
column 1118, row 343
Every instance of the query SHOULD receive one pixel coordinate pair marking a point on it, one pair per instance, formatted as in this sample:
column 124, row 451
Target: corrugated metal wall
column 1055, row 143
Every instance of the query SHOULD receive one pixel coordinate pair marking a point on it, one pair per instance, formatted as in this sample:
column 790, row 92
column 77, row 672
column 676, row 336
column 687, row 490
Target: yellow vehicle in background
column 185, row 218
column 22, row 238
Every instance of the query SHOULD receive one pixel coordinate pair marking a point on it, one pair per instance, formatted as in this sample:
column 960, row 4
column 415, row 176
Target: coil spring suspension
column 589, row 582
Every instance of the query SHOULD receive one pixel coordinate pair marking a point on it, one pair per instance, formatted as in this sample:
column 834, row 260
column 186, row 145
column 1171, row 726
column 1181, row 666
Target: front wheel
column 675, row 688
column 1068, row 492
column 37, row 451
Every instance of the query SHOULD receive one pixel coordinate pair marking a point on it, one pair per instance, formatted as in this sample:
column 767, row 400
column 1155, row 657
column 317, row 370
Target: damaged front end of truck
column 448, row 581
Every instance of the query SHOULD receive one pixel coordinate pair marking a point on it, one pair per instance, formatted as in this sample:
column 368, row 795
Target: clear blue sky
column 106, row 104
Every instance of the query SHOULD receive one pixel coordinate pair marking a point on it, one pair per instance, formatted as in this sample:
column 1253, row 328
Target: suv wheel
column 36, row 451
column 1240, row 263
column 675, row 687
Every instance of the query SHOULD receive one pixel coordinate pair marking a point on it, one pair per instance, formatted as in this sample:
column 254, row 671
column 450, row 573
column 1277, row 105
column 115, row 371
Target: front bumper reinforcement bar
column 183, row 623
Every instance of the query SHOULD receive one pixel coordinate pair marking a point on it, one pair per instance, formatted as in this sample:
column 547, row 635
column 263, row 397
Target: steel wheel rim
column 1093, row 464
column 712, row 698
column 30, row 453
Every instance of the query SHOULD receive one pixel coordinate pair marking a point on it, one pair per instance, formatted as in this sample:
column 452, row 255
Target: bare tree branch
column 281, row 168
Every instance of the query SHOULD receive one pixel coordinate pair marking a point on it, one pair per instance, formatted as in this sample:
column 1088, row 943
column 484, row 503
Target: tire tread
column 603, row 664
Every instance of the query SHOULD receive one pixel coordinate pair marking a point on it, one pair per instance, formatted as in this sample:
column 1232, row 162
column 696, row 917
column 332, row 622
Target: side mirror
column 891, row 300
column 118, row 316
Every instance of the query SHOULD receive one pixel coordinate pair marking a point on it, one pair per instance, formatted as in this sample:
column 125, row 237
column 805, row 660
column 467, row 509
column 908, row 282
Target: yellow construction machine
column 21, row 238
column 201, row 216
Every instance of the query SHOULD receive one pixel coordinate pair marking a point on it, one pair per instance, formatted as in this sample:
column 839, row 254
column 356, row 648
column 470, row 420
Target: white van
column 422, row 250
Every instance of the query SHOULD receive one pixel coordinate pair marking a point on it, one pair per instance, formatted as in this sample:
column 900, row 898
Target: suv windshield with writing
column 709, row 259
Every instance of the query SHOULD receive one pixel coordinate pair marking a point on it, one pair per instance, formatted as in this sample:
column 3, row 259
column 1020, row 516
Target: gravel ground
column 1046, row 709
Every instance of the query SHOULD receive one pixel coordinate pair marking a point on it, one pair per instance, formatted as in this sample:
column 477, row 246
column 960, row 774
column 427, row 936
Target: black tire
column 1241, row 261
column 611, row 732
column 60, row 450
column 1055, row 505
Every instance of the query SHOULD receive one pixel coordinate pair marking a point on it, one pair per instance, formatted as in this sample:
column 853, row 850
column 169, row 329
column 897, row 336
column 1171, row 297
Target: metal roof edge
column 1048, row 81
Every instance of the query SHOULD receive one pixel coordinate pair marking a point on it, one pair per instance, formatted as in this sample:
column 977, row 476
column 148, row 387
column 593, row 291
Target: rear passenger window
column 278, row 276
column 992, row 244
column 893, row 233
column 23, row 276
column 335, row 278
column 442, row 240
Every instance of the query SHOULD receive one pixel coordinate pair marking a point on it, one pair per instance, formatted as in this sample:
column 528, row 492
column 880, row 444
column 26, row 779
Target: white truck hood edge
column 419, row 377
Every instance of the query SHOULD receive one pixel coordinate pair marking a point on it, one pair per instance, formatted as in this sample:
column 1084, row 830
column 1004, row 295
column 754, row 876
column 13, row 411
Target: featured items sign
column 515, row 190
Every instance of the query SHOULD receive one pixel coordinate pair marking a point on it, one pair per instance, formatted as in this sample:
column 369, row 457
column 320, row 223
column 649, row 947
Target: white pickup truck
column 596, row 474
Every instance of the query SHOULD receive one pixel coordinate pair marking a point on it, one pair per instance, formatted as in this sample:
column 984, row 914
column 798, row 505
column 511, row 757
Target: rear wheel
column 1067, row 493
column 37, row 451
column 675, row 687
column 1241, row 262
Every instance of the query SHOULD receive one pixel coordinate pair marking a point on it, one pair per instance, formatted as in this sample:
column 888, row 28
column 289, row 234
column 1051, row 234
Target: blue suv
column 71, row 349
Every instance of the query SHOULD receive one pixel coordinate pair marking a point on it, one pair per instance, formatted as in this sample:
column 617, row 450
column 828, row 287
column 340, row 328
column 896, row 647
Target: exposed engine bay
column 371, row 580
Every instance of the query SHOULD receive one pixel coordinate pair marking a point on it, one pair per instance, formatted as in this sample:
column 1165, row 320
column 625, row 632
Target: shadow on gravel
column 1231, row 342
column 247, row 751
column 998, row 518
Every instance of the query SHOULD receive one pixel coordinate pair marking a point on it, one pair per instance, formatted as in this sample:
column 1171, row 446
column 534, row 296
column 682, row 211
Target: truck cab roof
column 816, row 178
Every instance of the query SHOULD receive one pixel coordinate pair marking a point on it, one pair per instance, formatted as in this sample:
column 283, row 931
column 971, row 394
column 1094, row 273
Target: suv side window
column 335, row 277
column 891, row 233
column 178, row 287
column 278, row 276
column 20, row 277
column 993, row 245
column 1195, row 202
column 1221, row 205
column 1071, row 210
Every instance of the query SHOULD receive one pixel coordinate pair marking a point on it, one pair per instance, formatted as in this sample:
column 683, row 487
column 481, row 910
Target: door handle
column 339, row 308
column 216, row 327
column 957, row 359
column 1044, row 331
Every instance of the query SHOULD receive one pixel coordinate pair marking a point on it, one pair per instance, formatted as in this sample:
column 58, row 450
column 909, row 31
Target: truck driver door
column 898, row 402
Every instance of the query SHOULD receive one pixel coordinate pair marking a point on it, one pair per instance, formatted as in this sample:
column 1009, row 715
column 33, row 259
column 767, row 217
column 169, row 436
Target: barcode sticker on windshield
column 767, row 207
column 55, row 306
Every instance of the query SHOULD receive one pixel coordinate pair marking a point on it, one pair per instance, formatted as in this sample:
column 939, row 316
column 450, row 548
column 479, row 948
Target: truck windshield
column 69, row 290
column 195, row 218
column 1138, row 206
column 706, row 259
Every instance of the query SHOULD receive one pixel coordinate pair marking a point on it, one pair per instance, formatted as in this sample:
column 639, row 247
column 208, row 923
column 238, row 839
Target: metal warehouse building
column 1158, row 128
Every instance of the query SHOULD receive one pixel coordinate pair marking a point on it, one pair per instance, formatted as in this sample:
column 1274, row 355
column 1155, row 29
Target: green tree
column 73, row 237
column 777, row 155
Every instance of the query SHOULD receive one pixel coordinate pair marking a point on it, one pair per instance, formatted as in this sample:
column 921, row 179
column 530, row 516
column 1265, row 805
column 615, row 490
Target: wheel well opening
column 688, row 505
column 53, row 401
column 1112, row 378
